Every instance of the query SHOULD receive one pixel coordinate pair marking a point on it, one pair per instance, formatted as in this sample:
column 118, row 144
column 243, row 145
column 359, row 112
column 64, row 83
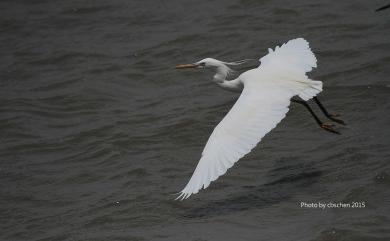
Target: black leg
column 324, row 126
column 327, row 114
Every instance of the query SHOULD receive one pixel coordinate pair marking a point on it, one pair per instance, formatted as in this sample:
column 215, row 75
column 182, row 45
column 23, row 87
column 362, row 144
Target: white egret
column 263, row 103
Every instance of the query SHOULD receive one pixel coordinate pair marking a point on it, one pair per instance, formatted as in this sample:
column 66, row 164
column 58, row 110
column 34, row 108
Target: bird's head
column 204, row 63
column 222, row 68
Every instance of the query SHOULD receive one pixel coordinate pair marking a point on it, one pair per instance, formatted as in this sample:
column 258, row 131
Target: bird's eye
column 203, row 64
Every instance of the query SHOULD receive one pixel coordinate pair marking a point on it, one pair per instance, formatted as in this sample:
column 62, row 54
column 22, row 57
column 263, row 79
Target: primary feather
column 262, row 105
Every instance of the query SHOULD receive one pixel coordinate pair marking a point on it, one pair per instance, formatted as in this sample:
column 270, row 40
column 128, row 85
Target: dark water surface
column 98, row 130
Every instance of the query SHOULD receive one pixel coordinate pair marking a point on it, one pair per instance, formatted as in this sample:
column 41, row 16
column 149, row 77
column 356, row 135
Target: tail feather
column 314, row 88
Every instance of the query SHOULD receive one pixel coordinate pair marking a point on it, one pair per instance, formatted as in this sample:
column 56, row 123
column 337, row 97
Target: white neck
column 220, row 78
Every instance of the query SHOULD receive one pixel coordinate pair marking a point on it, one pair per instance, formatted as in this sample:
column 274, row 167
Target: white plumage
column 264, row 101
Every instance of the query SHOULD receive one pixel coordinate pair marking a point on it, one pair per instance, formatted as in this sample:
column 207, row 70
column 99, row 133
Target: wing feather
column 258, row 110
column 289, row 63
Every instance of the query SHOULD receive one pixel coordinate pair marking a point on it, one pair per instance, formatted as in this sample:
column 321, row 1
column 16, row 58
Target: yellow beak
column 186, row 66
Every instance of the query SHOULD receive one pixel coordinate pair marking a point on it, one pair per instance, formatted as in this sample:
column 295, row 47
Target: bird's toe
column 337, row 120
column 334, row 114
column 329, row 127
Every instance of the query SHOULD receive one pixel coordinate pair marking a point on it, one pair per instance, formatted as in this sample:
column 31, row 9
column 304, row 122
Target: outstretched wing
column 262, row 105
column 293, row 56
column 289, row 63
column 258, row 110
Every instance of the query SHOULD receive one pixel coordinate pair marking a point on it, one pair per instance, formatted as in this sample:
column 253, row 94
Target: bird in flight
column 266, row 93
